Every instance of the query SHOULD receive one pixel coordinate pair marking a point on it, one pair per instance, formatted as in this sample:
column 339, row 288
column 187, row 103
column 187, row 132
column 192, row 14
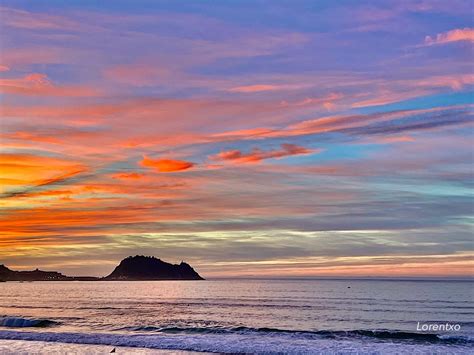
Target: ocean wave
column 307, row 334
column 381, row 334
column 19, row 322
column 243, row 343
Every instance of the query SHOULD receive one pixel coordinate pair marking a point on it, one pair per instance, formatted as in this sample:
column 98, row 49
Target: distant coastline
column 349, row 278
column 132, row 268
column 148, row 268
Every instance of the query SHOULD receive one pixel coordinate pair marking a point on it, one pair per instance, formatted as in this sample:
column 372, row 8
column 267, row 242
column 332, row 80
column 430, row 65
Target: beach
column 11, row 347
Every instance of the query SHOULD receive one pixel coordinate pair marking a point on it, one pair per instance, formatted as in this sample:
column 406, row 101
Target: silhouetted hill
column 132, row 268
column 150, row 268
column 36, row 275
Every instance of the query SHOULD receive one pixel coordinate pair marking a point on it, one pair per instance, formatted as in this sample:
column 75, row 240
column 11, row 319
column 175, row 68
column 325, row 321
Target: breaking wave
column 258, row 340
column 378, row 334
column 19, row 322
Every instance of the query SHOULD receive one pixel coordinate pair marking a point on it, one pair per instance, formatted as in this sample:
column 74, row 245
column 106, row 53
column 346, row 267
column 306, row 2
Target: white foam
column 236, row 343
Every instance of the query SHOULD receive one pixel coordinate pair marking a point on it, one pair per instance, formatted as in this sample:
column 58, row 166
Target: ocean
column 244, row 316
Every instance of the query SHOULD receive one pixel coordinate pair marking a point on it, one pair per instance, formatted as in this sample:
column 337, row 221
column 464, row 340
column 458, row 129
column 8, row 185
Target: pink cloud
column 328, row 101
column 254, row 88
column 33, row 21
column 20, row 57
column 37, row 84
column 460, row 34
column 257, row 155
column 263, row 87
column 455, row 82
column 138, row 74
column 31, row 137
column 388, row 140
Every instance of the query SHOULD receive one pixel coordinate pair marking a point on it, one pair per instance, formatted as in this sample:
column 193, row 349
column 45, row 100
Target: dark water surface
column 244, row 316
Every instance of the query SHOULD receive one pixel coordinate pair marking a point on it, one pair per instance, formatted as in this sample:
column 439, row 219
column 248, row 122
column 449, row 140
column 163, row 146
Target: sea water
column 245, row 316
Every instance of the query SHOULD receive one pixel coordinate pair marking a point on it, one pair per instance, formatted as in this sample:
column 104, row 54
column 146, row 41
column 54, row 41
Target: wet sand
column 14, row 347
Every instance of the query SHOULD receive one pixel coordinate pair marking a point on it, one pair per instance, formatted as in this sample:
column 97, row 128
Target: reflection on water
column 322, row 308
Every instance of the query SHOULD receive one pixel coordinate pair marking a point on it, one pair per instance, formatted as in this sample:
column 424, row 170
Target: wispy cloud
column 37, row 188
column 456, row 35
column 257, row 155
column 263, row 87
column 34, row 21
column 334, row 142
column 36, row 84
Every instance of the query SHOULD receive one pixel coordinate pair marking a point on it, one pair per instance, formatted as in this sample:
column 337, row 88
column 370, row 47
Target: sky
column 248, row 138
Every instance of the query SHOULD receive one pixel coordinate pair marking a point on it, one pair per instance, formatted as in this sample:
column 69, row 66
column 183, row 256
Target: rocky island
column 142, row 267
column 133, row 268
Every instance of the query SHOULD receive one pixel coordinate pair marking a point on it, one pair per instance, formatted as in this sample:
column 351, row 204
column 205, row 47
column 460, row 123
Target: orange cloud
column 31, row 137
column 25, row 175
column 460, row 34
column 40, row 85
column 255, row 88
column 47, row 193
column 33, row 169
column 166, row 165
column 126, row 176
column 257, row 155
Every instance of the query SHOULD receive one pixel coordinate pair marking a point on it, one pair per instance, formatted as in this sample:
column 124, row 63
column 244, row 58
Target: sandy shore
column 12, row 347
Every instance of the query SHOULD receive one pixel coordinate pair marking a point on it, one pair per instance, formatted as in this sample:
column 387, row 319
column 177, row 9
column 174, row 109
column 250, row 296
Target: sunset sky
column 262, row 138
